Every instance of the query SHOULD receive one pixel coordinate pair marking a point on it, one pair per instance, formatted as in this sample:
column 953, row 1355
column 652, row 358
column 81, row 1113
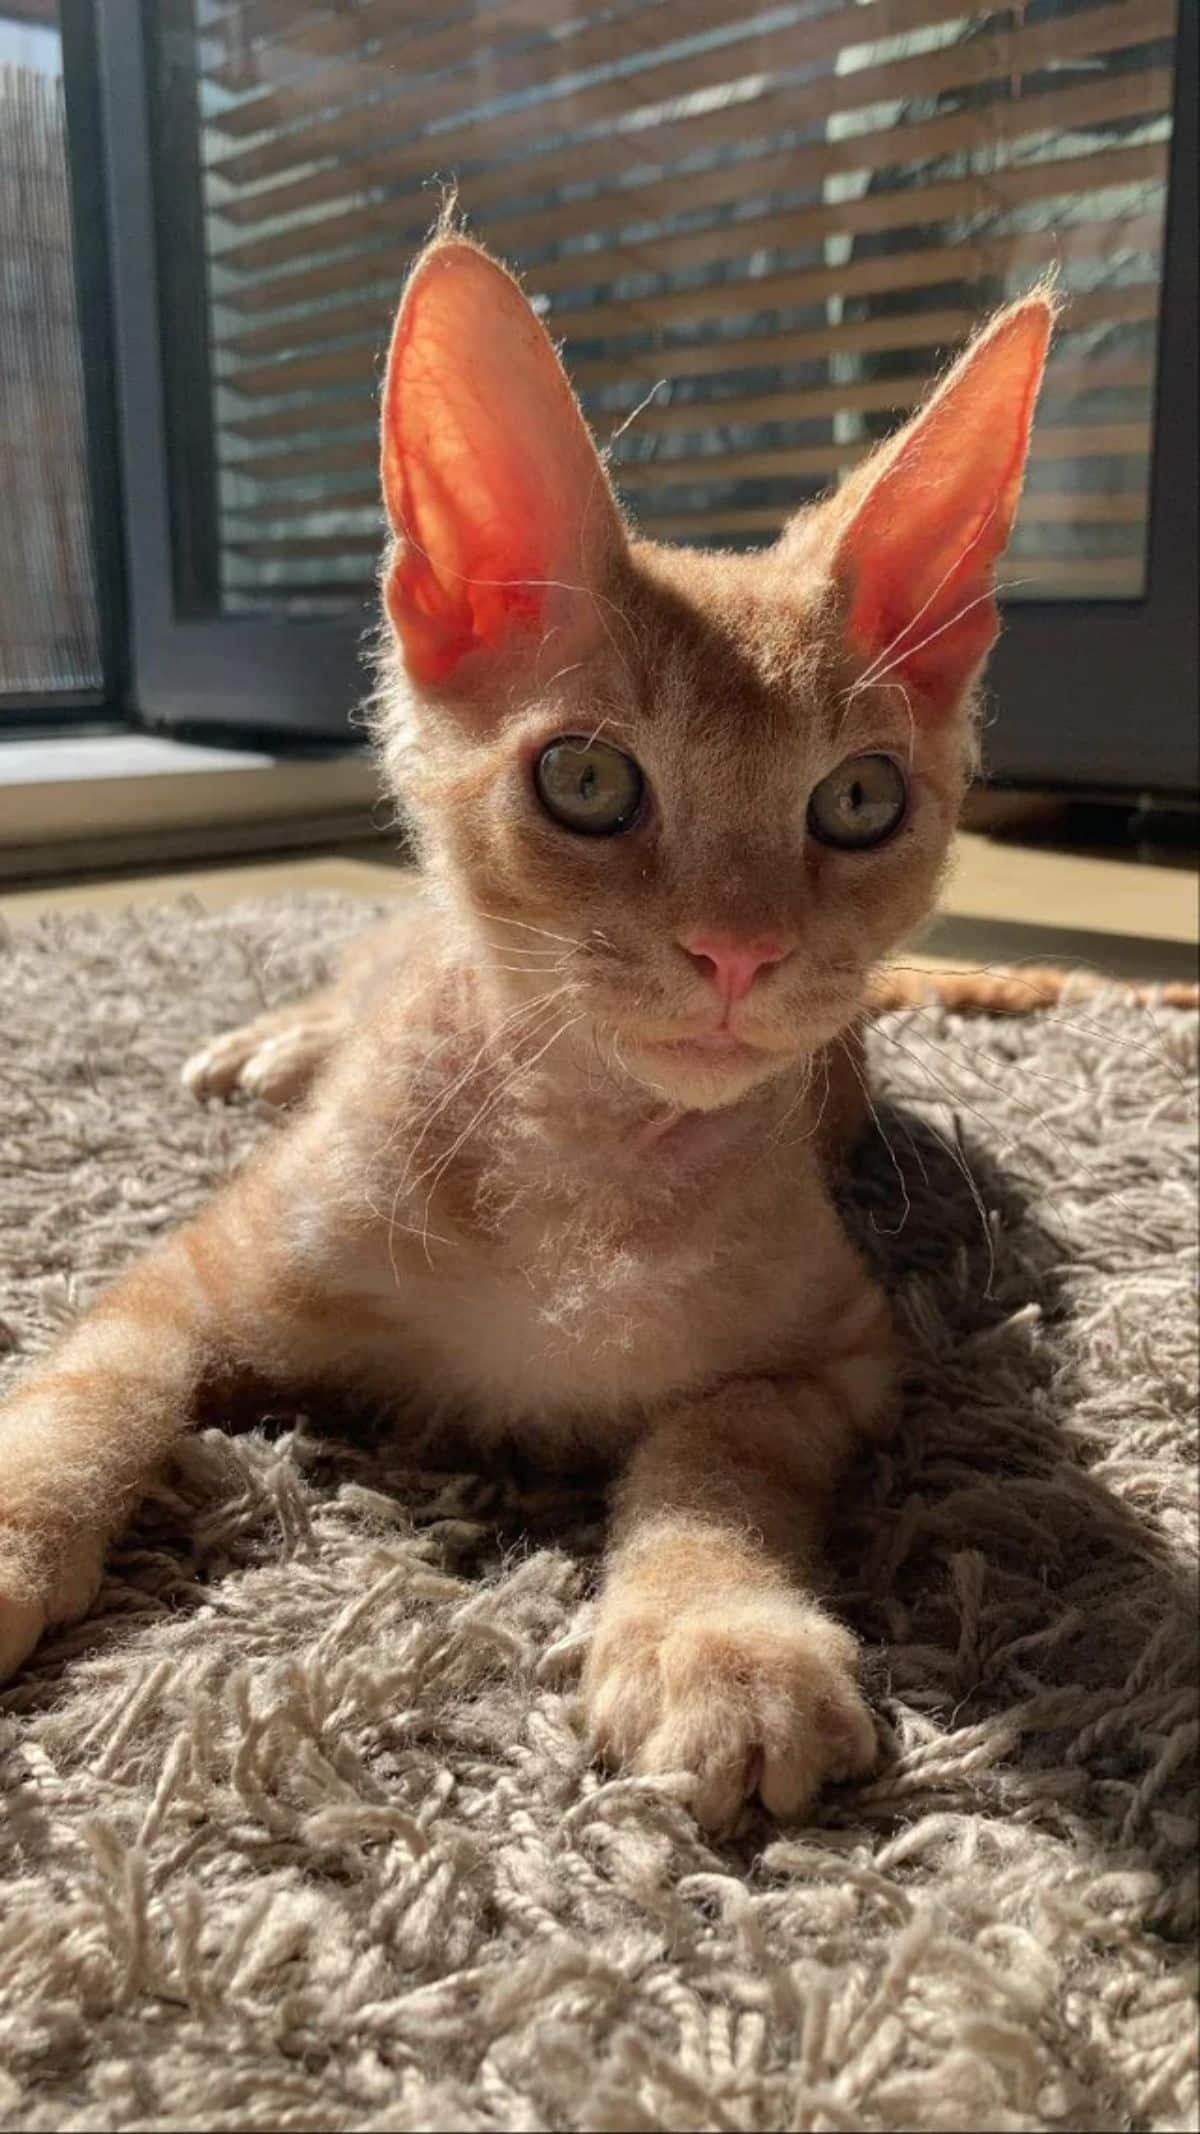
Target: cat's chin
column 696, row 1075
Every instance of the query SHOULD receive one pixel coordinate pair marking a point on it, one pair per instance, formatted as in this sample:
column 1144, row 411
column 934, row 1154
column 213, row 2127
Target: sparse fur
column 519, row 1196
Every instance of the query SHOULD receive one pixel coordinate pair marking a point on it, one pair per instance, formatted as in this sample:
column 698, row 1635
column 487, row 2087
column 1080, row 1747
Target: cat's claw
column 283, row 1066
column 754, row 1695
column 275, row 1062
column 216, row 1069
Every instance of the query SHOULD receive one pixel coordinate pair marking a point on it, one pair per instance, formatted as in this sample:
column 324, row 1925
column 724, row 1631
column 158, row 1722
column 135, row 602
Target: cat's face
column 685, row 799
column 701, row 838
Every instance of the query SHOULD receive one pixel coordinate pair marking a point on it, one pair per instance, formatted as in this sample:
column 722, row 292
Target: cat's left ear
column 505, row 524
column 932, row 512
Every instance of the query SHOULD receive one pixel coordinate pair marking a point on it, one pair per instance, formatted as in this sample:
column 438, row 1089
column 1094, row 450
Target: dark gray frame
column 191, row 670
column 1092, row 695
column 1102, row 695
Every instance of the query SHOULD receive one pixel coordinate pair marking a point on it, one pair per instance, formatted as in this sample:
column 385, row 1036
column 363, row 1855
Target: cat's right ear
column 505, row 525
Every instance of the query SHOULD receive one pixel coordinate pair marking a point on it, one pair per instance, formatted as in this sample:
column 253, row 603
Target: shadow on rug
column 299, row 1831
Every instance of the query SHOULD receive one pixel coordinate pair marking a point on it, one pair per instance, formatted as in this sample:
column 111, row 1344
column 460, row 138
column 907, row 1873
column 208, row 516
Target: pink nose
column 731, row 961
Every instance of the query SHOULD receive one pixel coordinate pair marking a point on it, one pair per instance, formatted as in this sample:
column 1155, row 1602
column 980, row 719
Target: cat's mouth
column 702, row 1069
column 707, row 1061
column 711, row 1048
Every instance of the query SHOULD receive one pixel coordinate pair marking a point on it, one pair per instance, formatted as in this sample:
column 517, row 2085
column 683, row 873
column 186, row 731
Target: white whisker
column 499, row 919
column 877, row 666
column 1078, row 1025
column 970, row 1059
column 1004, row 1088
column 867, row 1098
column 437, row 1171
column 876, row 675
column 531, row 1014
column 806, row 1079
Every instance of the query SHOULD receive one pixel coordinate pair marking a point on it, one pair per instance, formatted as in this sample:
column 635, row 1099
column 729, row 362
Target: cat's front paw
column 749, row 1692
column 276, row 1059
column 34, row 1600
column 22, row 1622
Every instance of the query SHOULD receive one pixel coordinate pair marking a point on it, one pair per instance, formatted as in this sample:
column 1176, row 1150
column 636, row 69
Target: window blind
column 762, row 231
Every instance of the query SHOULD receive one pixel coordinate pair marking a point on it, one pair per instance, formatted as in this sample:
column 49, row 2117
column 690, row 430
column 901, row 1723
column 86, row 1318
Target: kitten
column 562, row 1172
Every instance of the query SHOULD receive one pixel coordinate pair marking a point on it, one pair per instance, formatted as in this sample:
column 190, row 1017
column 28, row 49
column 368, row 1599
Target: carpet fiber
column 298, row 1831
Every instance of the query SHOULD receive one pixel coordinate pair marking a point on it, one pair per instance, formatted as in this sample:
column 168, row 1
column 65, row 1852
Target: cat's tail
column 1010, row 990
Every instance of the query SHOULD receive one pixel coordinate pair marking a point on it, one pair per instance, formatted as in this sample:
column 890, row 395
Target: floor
column 1006, row 901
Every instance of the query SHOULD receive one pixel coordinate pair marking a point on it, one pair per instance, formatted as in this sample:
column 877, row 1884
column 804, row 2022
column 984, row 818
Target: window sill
column 71, row 804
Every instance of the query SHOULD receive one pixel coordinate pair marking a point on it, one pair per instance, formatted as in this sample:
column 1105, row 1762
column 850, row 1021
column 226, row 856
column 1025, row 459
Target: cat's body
column 532, row 1249
column 562, row 1174
column 573, row 1257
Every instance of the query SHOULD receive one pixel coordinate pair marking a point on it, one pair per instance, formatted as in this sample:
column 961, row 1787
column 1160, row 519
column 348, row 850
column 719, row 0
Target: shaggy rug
column 298, row 1830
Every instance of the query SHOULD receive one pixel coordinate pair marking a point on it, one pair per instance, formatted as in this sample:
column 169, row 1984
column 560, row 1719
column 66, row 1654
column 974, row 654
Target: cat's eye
column 589, row 786
column 859, row 804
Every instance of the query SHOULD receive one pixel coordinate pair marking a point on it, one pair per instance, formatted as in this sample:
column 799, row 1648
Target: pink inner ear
column 921, row 549
column 444, row 610
column 488, row 469
column 471, row 549
column 926, row 610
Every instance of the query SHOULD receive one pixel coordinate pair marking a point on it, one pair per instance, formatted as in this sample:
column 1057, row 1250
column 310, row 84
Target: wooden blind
column 776, row 225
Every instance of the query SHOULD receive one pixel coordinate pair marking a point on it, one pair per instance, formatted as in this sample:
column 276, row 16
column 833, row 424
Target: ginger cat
column 561, row 1173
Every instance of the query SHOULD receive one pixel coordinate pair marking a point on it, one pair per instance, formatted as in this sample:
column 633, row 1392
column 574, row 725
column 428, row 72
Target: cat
column 561, row 1169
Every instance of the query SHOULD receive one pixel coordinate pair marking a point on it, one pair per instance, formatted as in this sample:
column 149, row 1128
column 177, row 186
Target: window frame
column 1069, row 678
column 190, row 671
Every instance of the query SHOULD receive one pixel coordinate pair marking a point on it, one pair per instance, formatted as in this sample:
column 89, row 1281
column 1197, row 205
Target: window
column 758, row 233
column 776, row 231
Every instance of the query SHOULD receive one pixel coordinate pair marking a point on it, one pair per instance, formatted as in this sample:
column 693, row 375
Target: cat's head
column 704, row 793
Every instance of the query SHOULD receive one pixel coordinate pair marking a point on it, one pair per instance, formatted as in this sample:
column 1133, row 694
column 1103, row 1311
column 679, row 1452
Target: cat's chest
column 555, row 1315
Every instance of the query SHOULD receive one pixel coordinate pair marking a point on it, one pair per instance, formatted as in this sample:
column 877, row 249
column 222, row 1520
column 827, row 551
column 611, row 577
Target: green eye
column 589, row 786
column 859, row 804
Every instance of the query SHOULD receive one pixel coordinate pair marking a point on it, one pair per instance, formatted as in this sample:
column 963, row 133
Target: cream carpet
column 298, row 1831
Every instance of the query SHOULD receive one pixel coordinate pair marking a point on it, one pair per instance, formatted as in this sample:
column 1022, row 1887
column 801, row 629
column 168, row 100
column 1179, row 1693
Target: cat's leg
column 711, row 1653
column 83, row 1433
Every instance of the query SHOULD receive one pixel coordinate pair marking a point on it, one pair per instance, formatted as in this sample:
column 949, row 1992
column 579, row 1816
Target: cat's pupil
column 857, row 796
column 587, row 783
